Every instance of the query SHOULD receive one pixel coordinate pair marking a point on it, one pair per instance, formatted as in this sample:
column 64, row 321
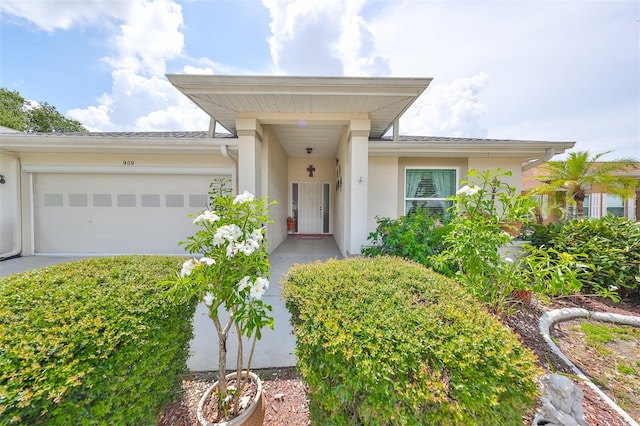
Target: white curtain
column 413, row 181
column 444, row 182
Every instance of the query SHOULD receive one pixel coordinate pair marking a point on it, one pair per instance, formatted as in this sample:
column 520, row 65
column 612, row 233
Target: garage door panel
column 104, row 214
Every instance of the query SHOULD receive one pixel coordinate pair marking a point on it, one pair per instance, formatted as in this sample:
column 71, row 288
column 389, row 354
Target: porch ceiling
column 295, row 139
column 324, row 100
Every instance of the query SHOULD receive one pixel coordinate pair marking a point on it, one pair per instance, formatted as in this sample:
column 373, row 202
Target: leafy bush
column 91, row 342
column 387, row 341
column 416, row 237
column 611, row 245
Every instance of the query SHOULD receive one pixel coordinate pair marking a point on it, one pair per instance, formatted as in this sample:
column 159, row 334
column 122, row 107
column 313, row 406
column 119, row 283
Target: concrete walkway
column 276, row 347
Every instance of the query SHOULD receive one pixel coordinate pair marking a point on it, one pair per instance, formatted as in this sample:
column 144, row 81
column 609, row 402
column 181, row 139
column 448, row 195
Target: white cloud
column 185, row 115
column 62, row 15
column 94, row 118
column 327, row 37
column 149, row 36
column 137, row 103
column 190, row 69
column 453, row 109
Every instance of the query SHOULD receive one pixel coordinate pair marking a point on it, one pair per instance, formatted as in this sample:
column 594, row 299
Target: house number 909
column 128, row 162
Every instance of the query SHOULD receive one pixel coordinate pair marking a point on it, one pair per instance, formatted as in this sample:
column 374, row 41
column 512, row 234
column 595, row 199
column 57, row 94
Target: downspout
column 546, row 157
column 225, row 153
column 17, row 249
column 224, row 150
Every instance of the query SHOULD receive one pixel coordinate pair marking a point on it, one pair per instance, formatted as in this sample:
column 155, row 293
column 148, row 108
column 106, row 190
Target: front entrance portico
column 310, row 131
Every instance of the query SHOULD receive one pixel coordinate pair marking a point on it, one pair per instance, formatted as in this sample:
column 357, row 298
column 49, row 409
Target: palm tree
column 578, row 173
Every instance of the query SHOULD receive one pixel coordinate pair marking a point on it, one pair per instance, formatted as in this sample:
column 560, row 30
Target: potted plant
column 230, row 273
column 291, row 223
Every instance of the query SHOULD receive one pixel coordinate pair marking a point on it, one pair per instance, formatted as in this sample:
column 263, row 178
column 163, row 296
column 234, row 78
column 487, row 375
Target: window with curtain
column 615, row 205
column 586, row 206
column 428, row 189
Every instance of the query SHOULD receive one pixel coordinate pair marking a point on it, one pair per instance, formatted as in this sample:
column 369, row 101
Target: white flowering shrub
column 230, row 271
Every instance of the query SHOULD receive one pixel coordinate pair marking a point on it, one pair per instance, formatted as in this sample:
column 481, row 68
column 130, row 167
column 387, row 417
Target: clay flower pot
column 253, row 415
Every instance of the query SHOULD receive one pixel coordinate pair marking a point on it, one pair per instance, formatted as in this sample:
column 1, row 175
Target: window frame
column 623, row 206
column 405, row 199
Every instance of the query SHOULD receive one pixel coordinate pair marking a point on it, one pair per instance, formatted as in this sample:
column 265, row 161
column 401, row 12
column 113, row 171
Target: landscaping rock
column 561, row 402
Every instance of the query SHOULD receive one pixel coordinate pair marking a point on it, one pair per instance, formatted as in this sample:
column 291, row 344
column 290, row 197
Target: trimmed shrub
column 610, row 245
column 91, row 342
column 418, row 237
column 387, row 341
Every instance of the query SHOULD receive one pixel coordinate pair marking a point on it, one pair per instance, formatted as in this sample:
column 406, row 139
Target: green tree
column 46, row 119
column 17, row 113
column 11, row 111
column 575, row 175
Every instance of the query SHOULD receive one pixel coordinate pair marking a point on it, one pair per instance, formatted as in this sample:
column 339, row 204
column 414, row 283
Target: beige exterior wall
column 124, row 161
column 383, row 190
column 276, row 186
column 514, row 165
column 10, row 217
column 339, row 205
column 325, row 169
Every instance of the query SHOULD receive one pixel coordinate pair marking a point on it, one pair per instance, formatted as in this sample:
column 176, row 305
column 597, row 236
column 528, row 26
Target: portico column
column 357, row 191
column 249, row 155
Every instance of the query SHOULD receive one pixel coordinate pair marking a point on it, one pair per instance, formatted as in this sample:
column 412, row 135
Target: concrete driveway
column 276, row 348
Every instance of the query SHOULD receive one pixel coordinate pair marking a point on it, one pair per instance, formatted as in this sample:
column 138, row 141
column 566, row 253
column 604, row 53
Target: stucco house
column 317, row 145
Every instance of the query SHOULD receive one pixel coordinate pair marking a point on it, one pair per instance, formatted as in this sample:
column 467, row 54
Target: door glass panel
column 325, row 209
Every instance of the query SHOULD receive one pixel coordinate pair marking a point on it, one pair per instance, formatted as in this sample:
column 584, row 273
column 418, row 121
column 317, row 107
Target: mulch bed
column 285, row 391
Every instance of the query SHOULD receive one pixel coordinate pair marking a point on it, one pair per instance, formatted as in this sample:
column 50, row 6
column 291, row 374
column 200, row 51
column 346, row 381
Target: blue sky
column 542, row 70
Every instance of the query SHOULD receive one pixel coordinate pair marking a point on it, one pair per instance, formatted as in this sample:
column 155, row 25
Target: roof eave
column 525, row 150
column 84, row 144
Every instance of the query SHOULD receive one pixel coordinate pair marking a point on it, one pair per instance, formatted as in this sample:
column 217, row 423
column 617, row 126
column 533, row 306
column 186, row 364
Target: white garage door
column 116, row 213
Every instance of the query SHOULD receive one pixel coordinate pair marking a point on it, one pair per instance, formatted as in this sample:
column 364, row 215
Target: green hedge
column 91, row 342
column 611, row 245
column 387, row 341
column 419, row 237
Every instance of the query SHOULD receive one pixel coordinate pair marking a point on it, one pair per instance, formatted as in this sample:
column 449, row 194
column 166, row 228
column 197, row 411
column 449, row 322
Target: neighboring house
column 316, row 145
column 597, row 203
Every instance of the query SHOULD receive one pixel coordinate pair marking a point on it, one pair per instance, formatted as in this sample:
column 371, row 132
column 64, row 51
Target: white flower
column 257, row 234
column 207, row 216
column 218, row 238
column 227, row 232
column 508, row 259
column 208, row 261
column 613, row 287
column 232, row 249
column 244, row 283
column 258, row 288
column 262, row 282
column 468, row 190
column 234, row 232
column 245, row 197
column 188, row 267
column 246, row 247
column 208, row 299
column 256, row 292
